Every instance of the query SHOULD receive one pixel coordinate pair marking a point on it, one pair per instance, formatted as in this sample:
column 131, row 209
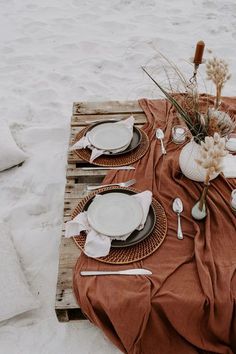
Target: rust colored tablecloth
column 188, row 305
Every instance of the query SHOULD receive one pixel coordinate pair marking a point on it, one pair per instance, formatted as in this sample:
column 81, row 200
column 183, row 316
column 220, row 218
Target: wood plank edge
column 67, row 315
column 106, row 107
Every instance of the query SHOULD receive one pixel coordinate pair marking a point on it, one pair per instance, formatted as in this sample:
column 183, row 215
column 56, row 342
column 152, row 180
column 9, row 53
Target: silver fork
column 121, row 184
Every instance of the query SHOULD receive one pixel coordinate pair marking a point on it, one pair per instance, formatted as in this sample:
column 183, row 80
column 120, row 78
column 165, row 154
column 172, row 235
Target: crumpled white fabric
column 84, row 141
column 229, row 166
column 98, row 245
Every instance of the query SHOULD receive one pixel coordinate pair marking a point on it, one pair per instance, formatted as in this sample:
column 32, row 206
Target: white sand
column 54, row 53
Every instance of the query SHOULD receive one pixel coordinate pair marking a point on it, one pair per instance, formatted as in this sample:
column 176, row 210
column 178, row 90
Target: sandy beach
column 52, row 54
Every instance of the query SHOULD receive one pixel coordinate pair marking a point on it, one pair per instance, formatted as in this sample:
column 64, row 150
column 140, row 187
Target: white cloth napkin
column 229, row 166
column 98, row 245
column 84, row 142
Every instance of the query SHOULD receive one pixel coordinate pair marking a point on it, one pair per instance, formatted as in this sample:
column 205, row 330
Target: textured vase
column 189, row 166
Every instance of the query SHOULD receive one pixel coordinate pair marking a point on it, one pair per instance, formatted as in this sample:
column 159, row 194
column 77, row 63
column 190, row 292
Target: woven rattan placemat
column 132, row 253
column 119, row 160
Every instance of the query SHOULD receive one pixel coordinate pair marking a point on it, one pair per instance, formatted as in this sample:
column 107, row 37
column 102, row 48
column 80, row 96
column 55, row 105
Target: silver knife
column 138, row 271
column 108, row 168
column 102, row 120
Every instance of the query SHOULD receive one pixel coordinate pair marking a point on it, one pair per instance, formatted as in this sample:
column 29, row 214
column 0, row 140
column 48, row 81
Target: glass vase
column 199, row 210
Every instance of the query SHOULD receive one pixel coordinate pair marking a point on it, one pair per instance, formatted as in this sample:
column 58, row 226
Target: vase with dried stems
column 199, row 210
column 211, row 158
column 202, row 121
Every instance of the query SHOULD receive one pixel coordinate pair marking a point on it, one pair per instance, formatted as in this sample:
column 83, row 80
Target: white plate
column 114, row 214
column 112, row 152
column 110, row 136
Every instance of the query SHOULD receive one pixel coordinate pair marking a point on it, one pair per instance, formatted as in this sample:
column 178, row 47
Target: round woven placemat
column 119, row 160
column 132, row 253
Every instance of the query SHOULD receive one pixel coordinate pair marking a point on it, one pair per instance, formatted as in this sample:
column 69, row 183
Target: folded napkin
column 98, row 245
column 229, row 166
column 84, row 142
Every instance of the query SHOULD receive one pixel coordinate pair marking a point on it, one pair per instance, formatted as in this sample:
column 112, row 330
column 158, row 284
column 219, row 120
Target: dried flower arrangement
column 187, row 102
column 207, row 123
column 212, row 153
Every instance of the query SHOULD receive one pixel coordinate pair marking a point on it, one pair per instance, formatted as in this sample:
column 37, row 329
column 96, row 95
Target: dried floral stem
column 217, row 70
column 211, row 156
column 203, row 196
column 218, row 96
column 171, row 99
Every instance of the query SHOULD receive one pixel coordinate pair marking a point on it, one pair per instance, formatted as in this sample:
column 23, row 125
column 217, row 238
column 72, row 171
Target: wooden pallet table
column 84, row 113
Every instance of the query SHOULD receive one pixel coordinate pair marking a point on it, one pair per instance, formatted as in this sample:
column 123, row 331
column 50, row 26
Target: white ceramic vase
column 189, row 166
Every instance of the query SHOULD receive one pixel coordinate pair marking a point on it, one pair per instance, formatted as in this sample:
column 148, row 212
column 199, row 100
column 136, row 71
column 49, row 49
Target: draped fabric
column 187, row 305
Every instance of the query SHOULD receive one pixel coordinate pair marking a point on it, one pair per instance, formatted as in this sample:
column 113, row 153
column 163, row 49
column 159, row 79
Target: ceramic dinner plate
column 116, row 151
column 134, row 143
column 110, row 136
column 114, row 214
column 137, row 235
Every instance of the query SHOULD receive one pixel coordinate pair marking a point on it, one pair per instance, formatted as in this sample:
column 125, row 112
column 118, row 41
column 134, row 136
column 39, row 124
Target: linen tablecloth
column 188, row 305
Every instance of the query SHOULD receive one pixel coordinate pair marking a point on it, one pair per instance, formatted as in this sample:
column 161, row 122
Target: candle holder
column 233, row 200
column 197, row 60
column 179, row 134
column 193, row 79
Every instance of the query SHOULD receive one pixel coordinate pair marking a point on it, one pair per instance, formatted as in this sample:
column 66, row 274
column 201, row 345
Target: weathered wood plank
column 79, row 189
column 71, row 204
column 73, row 158
column 70, row 314
column 83, row 176
column 69, row 254
column 106, row 107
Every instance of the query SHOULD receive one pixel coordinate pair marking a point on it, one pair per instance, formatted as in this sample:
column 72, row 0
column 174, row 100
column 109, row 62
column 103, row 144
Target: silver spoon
column 160, row 136
column 178, row 208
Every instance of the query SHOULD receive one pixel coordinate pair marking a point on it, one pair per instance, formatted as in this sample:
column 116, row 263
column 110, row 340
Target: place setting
column 118, row 225
column 111, row 143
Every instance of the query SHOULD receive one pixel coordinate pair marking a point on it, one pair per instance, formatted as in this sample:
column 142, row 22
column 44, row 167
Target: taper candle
column 199, row 52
